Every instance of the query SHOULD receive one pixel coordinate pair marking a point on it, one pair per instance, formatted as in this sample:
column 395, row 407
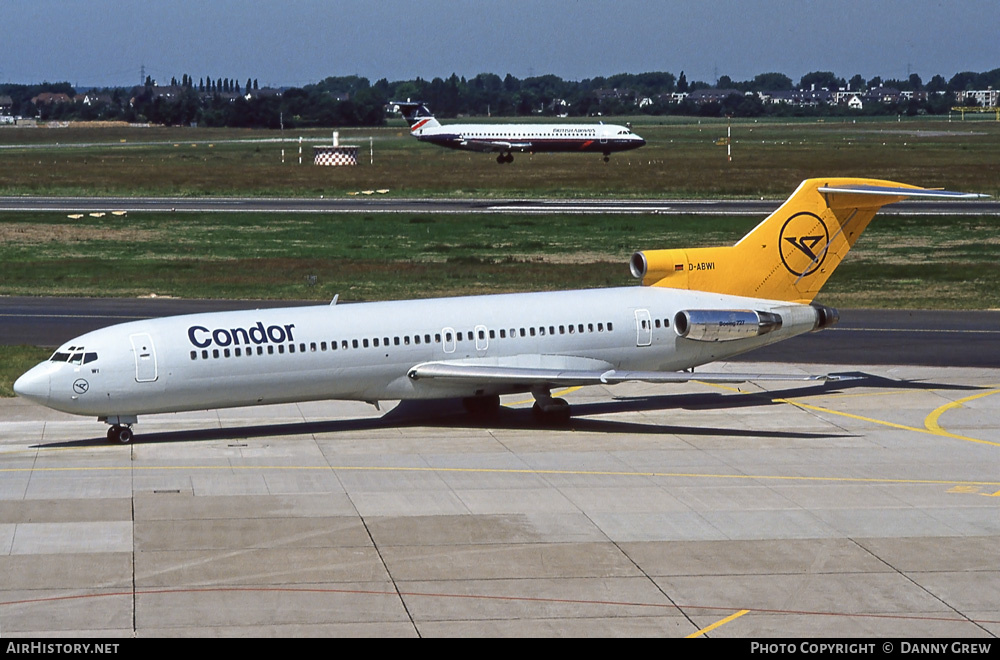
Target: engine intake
column 724, row 324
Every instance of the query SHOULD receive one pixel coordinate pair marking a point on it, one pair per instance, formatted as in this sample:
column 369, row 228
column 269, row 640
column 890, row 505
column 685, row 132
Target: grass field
column 681, row 159
column 904, row 262
column 390, row 256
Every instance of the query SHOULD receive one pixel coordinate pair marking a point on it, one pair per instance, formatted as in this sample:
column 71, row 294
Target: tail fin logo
column 803, row 243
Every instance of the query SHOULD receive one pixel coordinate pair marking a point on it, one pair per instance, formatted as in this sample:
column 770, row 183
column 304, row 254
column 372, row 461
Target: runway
column 375, row 203
column 866, row 508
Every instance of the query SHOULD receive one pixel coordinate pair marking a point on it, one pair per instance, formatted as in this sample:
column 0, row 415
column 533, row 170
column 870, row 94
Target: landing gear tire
column 554, row 411
column 505, row 158
column 120, row 434
column 606, row 158
column 482, row 406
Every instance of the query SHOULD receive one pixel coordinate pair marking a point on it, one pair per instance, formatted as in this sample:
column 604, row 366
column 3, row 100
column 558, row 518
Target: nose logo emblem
column 81, row 386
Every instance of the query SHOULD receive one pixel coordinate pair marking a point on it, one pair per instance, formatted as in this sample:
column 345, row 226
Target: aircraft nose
column 34, row 384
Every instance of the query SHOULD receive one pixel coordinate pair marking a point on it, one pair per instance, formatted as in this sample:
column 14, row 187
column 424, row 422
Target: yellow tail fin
column 790, row 255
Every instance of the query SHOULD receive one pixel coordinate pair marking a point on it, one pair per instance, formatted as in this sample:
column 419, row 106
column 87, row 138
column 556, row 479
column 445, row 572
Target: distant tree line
column 354, row 101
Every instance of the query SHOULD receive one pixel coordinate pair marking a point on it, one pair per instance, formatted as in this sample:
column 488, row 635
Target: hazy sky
column 296, row 42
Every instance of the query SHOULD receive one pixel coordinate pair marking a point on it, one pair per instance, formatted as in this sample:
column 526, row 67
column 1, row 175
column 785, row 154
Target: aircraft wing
column 494, row 374
column 504, row 146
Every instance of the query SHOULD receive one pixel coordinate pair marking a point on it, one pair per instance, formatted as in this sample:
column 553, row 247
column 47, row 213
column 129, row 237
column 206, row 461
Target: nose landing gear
column 120, row 434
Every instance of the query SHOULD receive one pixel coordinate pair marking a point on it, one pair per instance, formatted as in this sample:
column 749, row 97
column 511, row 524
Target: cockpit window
column 76, row 357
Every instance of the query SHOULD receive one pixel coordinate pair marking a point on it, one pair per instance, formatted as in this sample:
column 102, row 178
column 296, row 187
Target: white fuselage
column 366, row 351
column 603, row 138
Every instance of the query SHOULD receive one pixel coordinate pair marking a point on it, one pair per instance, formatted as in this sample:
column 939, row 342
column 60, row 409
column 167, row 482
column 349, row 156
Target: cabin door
column 643, row 328
column 448, row 334
column 145, row 358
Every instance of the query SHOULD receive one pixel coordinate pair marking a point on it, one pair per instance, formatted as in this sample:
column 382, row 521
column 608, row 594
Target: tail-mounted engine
column 724, row 324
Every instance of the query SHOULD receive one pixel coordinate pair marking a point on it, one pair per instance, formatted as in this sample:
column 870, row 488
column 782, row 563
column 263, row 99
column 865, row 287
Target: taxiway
column 867, row 509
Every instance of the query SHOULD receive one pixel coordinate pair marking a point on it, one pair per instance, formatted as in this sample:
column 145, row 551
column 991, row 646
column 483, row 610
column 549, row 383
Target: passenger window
column 194, row 355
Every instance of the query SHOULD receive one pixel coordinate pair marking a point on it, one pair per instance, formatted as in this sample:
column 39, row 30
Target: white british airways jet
column 695, row 306
column 508, row 138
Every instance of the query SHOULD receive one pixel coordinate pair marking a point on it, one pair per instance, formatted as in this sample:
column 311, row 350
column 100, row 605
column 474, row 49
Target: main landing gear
column 548, row 409
column 505, row 158
column 120, row 434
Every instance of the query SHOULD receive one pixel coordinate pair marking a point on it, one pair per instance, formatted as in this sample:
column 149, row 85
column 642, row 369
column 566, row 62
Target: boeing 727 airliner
column 508, row 138
column 695, row 306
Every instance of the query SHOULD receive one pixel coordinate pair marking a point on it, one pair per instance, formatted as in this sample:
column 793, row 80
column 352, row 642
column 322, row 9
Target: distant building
column 987, row 98
column 703, row 96
column 48, row 98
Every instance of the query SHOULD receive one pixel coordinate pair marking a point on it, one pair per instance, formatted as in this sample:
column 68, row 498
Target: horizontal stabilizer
column 899, row 191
